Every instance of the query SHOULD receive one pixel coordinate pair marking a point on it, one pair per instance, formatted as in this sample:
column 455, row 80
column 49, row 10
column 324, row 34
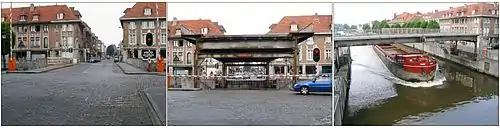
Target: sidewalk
column 42, row 70
column 131, row 70
column 156, row 102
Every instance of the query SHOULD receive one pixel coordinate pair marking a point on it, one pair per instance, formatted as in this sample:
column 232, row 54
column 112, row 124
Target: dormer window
column 147, row 11
column 204, row 30
column 473, row 12
column 493, row 12
column 35, row 17
column 60, row 16
column 23, row 18
column 294, row 27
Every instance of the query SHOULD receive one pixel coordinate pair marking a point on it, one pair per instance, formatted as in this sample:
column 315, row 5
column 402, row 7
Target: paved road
column 247, row 107
column 85, row 94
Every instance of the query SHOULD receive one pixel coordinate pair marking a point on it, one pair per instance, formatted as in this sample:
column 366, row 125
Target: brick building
column 137, row 21
column 48, row 31
column 183, row 50
column 481, row 18
column 322, row 39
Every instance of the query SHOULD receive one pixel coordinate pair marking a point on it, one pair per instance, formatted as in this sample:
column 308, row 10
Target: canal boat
column 406, row 63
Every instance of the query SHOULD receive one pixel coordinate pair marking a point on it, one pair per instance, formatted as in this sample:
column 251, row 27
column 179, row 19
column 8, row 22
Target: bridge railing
column 405, row 31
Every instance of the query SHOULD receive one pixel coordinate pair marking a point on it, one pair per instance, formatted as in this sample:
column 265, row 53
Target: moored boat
column 406, row 63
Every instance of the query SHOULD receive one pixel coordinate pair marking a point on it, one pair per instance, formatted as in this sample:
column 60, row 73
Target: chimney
column 72, row 8
column 436, row 11
column 451, row 7
column 395, row 15
column 316, row 17
column 32, row 7
column 216, row 23
column 175, row 21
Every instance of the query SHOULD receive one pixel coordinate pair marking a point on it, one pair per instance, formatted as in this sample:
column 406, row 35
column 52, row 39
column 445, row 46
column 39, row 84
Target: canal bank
column 465, row 98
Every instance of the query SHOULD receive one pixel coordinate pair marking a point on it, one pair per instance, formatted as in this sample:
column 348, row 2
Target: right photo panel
column 416, row 64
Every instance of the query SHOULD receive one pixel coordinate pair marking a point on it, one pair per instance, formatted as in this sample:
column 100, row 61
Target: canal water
column 459, row 96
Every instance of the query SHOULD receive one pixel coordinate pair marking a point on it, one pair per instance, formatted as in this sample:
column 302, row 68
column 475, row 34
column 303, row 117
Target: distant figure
column 211, row 73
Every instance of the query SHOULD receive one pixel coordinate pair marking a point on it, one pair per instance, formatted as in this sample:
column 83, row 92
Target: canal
column 459, row 96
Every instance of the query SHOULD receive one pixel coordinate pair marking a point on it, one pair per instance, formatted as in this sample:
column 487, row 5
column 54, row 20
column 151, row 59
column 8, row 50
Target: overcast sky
column 360, row 13
column 103, row 18
column 245, row 18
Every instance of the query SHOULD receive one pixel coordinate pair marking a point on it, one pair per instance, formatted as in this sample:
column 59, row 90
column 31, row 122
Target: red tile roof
column 46, row 13
column 321, row 24
column 137, row 11
column 195, row 26
column 478, row 9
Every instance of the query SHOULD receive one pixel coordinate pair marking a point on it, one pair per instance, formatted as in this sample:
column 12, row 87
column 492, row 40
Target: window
column 131, row 39
column 163, row 24
column 70, row 41
column 473, row 12
column 180, row 55
column 309, row 54
column 70, row 27
column 131, row 25
column 46, row 28
column 32, row 41
column 35, row 17
column 143, row 38
column 151, row 24
column 60, row 16
column 144, row 24
column 45, row 42
column 37, row 41
column 147, row 11
column 328, row 40
column 20, row 29
column 188, row 58
column 64, row 41
column 63, row 27
column 310, row 40
column 32, row 28
column 294, row 27
column 23, row 18
column 204, row 30
column 57, row 44
column 163, row 38
column 300, row 54
column 328, row 54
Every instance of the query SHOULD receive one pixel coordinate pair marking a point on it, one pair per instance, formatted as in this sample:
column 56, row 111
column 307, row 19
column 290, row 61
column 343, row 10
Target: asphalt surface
column 84, row 94
column 248, row 107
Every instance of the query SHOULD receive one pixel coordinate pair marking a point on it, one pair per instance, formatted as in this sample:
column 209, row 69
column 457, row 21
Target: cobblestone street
column 84, row 94
column 248, row 107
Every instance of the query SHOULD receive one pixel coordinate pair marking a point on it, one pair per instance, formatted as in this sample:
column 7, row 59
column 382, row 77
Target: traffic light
column 316, row 54
column 149, row 39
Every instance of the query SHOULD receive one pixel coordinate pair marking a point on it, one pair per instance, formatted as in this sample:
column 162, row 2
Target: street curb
column 37, row 72
column 151, row 108
column 140, row 73
column 184, row 89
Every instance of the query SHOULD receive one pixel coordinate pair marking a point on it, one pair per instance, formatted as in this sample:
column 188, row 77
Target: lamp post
column 3, row 56
column 176, row 60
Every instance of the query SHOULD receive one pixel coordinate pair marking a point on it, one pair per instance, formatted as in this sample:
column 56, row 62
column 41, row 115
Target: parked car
column 92, row 60
column 116, row 59
column 320, row 83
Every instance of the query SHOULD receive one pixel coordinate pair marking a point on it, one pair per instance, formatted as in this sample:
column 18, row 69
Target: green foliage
column 397, row 25
column 6, row 47
column 366, row 26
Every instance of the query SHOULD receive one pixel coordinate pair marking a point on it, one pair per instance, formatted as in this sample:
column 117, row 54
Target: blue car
column 320, row 83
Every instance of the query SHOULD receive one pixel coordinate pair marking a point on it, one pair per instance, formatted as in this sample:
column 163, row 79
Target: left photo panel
column 83, row 64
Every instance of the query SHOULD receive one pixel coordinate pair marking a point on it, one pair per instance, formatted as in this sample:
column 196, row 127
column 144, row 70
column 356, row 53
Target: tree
column 6, row 47
column 397, row 25
column 383, row 24
column 417, row 24
column 366, row 26
column 434, row 25
column 424, row 24
column 354, row 27
column 110, row 50
column 375, row 24
column 345, row 26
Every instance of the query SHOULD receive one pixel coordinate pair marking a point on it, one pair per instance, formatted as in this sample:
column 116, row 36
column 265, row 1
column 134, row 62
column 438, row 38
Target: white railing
column 141, row 64
column 31, row 64
column 405, row 31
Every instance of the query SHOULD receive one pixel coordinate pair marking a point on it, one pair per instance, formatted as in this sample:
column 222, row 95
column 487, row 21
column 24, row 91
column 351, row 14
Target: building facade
column 181, row 52
column 322, row 27
column 48, row 31
column 139, row 20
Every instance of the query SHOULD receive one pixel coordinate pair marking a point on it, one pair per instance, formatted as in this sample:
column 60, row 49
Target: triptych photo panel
column 249, row 64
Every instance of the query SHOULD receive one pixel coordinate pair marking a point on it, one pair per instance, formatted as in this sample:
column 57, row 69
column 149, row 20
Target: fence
column 31, row 64
column 403, row 31
column 280, row 81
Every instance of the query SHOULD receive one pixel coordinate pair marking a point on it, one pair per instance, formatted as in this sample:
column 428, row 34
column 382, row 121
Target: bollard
column 11, row 64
